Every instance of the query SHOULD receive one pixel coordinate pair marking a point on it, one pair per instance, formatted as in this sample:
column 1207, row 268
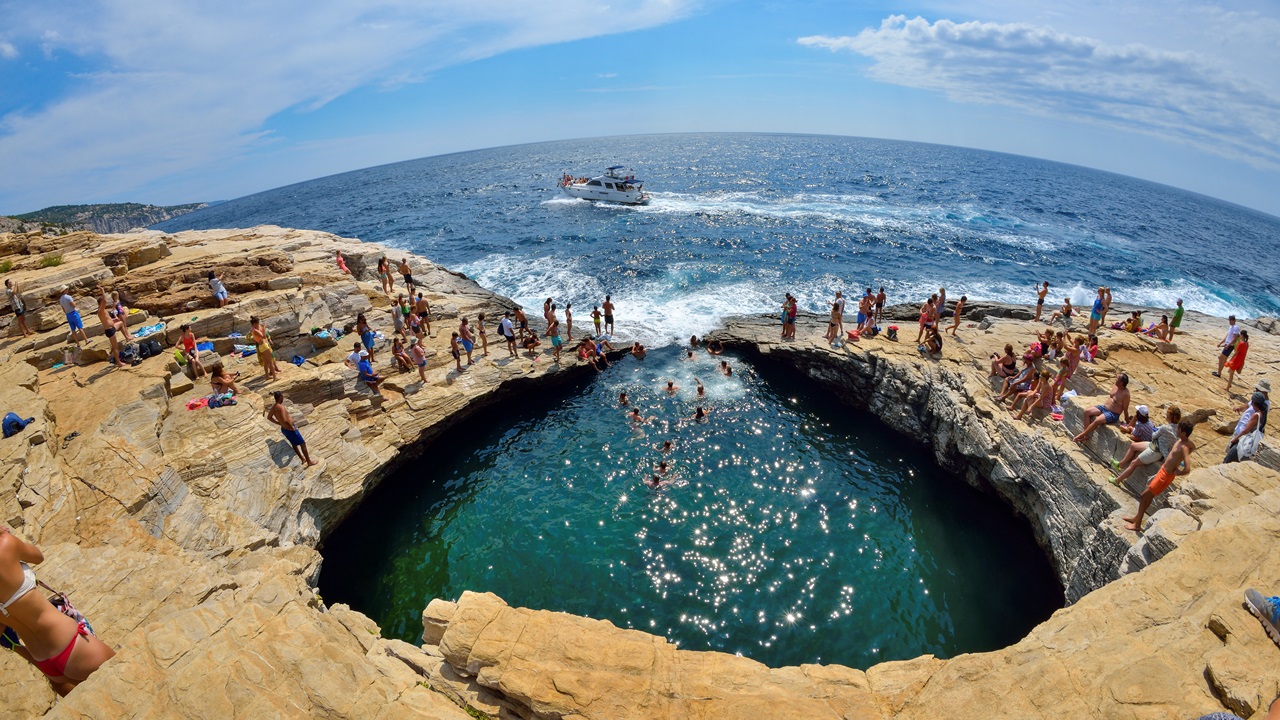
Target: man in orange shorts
column 1177, row 462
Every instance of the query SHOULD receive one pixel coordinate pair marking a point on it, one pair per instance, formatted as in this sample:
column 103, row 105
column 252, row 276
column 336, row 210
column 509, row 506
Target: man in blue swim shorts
column 1108, row 413
column 73, row 315
column 279, row 415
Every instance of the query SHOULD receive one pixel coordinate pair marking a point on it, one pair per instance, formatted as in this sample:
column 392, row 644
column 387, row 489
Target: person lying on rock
column 1178, row 462
column 1108, row 413
column 1142, row 452
column 62, row 648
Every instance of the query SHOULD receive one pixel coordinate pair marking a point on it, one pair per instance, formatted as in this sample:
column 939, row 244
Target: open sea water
column 737, row 220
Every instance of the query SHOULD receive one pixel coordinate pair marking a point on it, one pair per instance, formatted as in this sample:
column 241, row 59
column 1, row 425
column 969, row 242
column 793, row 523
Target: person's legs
column 1093, row 419
column 1231, row 376
column 87, row 655
column 1222, row 360
column 1233, row 454
column 1135, row 523
column 115, row 350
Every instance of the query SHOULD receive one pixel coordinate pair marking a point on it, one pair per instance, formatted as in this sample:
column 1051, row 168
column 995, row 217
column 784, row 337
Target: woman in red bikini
column 61, row 648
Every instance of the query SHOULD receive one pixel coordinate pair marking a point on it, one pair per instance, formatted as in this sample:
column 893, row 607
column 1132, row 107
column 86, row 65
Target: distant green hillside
column 106, row 218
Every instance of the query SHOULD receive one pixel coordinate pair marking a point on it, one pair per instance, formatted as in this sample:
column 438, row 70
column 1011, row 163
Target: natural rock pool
column 794, row 529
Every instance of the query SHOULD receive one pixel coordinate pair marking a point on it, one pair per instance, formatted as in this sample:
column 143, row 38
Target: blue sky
column 172, row 101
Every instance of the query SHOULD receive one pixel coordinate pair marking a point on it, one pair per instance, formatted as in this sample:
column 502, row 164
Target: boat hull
column 601, row 194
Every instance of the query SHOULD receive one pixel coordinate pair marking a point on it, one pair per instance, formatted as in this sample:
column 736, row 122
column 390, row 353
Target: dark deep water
column 795, row 530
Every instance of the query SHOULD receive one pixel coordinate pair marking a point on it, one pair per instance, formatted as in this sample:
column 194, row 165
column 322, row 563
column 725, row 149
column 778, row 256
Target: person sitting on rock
column 220, row 295
column 1034, row 397
column 64, row 649
column 367, row 375
column 1144, row 452
column 1004, row 366
column 1141, row 429
column 403, row 362
column 1020, row 382
column 1064, row 313
column 1161, row 330
column 1108, row 413
column 222, row 381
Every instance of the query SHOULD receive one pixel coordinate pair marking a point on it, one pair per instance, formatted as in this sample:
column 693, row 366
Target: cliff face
column 188, row 536
column 103, row 218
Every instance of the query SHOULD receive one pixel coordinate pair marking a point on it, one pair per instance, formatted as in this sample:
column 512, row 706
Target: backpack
column 14, row 424
column 154, row 347
column 129, row 354
column 144, row 350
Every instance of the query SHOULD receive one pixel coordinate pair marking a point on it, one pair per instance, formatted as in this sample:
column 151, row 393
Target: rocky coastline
column 189, row 536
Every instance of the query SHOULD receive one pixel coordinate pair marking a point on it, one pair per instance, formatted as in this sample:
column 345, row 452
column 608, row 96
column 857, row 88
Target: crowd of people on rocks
column 59, row 641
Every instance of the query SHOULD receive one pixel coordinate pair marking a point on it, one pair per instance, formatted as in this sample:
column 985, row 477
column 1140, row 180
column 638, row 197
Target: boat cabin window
column 608, row 186
column 594, row 183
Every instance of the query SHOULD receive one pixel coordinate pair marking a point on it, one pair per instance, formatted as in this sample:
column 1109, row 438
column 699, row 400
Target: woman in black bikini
column 1003, row 367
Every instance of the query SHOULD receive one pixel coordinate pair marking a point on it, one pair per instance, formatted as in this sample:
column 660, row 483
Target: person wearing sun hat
column 1142, row 428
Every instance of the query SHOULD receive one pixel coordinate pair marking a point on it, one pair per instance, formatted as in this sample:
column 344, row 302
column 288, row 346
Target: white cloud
column 182, row 84
column 7, row 50
column 1186, row 97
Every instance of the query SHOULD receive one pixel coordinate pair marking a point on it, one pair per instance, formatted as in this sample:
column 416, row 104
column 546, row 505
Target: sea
column 737, row 220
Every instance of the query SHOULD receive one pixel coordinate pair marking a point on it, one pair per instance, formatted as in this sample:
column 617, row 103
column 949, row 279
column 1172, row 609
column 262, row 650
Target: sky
column 170, row 101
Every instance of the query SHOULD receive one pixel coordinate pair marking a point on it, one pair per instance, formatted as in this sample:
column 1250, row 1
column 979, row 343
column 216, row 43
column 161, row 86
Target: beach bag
column 180, row 357
column 63, row 603
column 129, row 354
column 14, row 424
column 154, row 347
column 1247, row 445
column 893, row 333
column 144, row 350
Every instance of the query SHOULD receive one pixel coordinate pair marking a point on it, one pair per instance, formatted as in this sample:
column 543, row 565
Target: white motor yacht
column 618, row 184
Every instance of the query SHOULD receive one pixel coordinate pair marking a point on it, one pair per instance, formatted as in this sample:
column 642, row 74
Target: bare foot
column 313, row 462
column 1132, row 526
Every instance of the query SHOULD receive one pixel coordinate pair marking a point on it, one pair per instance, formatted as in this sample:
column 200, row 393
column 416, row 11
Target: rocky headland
column 189, row 537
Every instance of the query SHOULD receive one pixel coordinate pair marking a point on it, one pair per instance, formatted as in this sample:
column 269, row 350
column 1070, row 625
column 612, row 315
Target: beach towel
column 219, row 400
column 197, row 403
column 146, row 330
column 204, row 347
column 246, row 350
column 235, row 335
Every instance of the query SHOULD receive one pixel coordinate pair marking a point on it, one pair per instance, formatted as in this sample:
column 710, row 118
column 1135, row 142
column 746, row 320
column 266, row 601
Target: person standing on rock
column 959, row 309
column 384, row 276
column 1041, row 292
column 407, row 273
column 368, row 337
column 837, row 316
column 466, row 340
column 424, row 311
column 1236, row 363
column 607, row 306
column 568, row 321
column 596, row 318
column 19, row 308
column 522, row 322
column 880, row 300
column 455, row 352
column 188, row 340
column 1228, row 344
column 507, row 328
column 279, row 415
column 1178, row 462
column 220, row 295
column 484, row 335
column 1095, row 314
column 68, row 304
column 262, row 342
column 1108, row 413
column 419, row 357
column 109, row 329
column 556, row 341
column 63, row 648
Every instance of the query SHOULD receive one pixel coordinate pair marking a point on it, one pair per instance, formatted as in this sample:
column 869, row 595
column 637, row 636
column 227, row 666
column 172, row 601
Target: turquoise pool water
column 792, row 530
